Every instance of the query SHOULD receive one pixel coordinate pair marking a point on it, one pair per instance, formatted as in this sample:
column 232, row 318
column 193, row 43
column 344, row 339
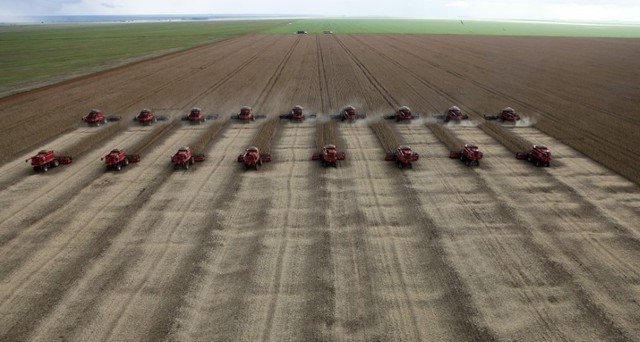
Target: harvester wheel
column 400, row 166
column 55, row 163
column 546, row 164
column 118, row 167
column 176, row 166
column 45, row 168
column 126, row 161
column 186, row 166
column 410, row 165
column 191, row 161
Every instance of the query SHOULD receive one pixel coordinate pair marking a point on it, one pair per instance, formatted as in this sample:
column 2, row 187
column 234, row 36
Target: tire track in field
column 82, row 98
column 456, row 292
column 163, row 327
column 548, row 116
column 386, row 95
column 592, row 308
column 156, row 187
column 507, row 256
column 58, row 203
column 189, row 265
column 325, row 98
column 276, row 286
column 542, row 91
column 71, row 188
column 65, row 276
column 275, row 76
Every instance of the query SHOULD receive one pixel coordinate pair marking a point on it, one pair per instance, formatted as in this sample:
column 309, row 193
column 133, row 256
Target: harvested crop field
column 364, row 251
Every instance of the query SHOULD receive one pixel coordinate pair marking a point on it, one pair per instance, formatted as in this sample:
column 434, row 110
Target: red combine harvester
column 297, row 115
column 196, row 116
column 403, row 113
column 246, row 115
column 46, row 159
column 116, row 159
column 185, row 158
column 252, row 158
column 147, row 117
column 349, row 114
column 453, row 114
column 329, row 156
column 539, row 155
column 403, row 156
column 96, row 117
column 507, row 114
column 469, row 154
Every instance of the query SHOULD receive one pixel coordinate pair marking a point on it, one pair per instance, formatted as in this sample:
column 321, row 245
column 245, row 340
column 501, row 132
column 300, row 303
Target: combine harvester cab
column 252, row 158
column 506, row 115
column 349, row 114
column 403, row 156
column 96, row 117
column 297, row 115
column 403, row 114
column 539, row 155
column 117, row 159
column 185, row 158
column 246, row 114
column 329, row 156
column 46, row 159
column 197, row 116
column 453, row 114
column 147, row 117
column 469, row 154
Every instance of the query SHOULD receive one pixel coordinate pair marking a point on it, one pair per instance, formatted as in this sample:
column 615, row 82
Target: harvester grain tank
column 246, row 114
column 297, row 114
column 469, row 155
column 46, row 159
column 117, row 159
column 96, row 117
column 506, row 115
column 403, row 113
column 538, row 155
column 329, row 156
column 185, row 158
column 349, row 114
column 252, row 158
column 197, row 116
column 403, row 156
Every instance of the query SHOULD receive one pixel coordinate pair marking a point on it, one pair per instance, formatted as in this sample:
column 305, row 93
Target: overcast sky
column 571, row 10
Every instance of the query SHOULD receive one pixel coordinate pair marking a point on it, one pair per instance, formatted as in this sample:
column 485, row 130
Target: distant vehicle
column 469, row 155
column 539, row 155
column 349, row 114
column 252, row 158
column 297, row 114
column 246, row 114
column 46, row 159
column 329, row 156
column 185, row 158
column 96, row 117
column 196, row 116
column 508, row 114
column 403, row 113
column 453, row 114
column 327, row 32
column 301, row 32
column 117, row 159
column 403, row 156
column 147, row 117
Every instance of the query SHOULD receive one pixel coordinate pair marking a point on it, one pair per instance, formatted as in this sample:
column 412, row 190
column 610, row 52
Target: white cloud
column 459, row 4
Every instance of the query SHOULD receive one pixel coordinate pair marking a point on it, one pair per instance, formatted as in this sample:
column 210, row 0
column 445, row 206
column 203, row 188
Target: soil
column 364, row 251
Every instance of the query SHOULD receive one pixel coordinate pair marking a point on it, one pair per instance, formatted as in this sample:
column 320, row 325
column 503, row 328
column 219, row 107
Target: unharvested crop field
column 365, row 251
